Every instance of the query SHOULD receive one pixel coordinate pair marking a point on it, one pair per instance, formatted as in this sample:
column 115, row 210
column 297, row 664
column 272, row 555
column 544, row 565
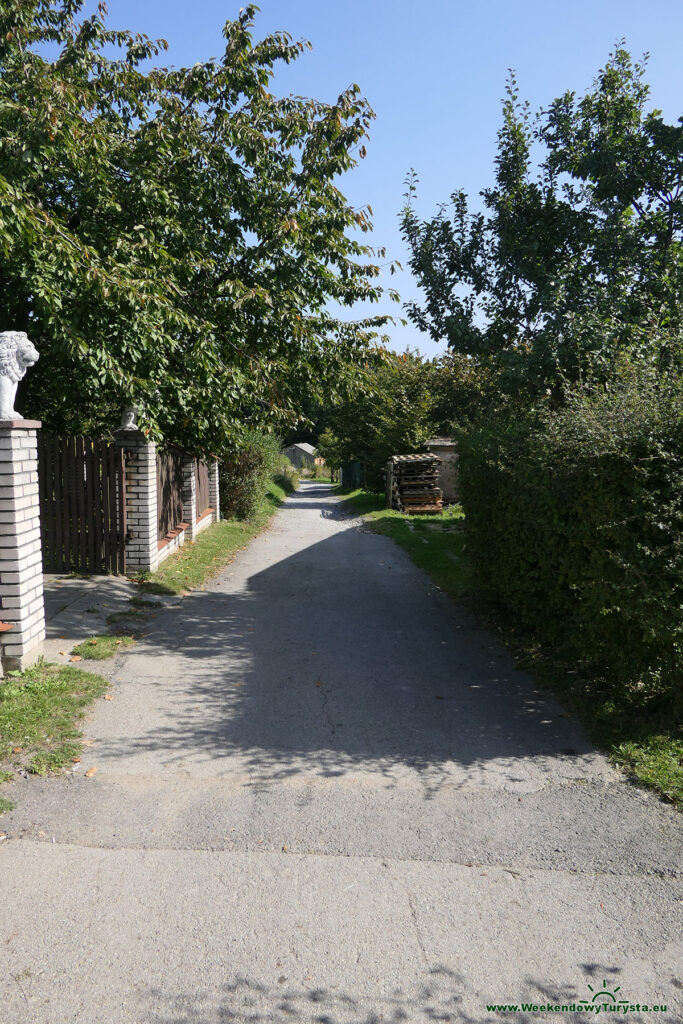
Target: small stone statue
column 129, row 418
column 16, row 354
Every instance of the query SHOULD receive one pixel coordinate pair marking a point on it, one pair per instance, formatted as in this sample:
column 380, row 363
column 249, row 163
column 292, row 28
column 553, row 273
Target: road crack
column 418, row 931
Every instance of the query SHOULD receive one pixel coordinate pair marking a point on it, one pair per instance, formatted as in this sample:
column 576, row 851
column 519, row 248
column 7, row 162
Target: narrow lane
column 323, row 793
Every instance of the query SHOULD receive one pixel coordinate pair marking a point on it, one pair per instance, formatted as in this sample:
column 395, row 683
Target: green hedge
column 575, row 525
column 245, row 473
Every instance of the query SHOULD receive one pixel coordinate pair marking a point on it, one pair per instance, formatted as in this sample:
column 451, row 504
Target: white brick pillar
column 142, row 548
column 189, row 493
column 214, row 494
column 21, row 560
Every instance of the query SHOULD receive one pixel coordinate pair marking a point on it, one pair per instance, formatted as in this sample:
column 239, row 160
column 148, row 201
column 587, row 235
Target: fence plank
column 202, row 487
column 89, row 501
column 66, row 518
column 106, row 527
column 97, row 506
column 52, row 535
column 121, row 494
column 42, row 496
column 81, row 506
column 57, row 464
column 113, row 545
column 72, row 505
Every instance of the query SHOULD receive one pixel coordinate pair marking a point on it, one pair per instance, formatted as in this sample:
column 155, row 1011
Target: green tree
column 174, row 238
column 389, row 413
column 573, row 265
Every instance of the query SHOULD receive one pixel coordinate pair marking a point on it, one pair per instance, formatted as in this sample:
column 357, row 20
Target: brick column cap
column 126, row 434
column 20, row 424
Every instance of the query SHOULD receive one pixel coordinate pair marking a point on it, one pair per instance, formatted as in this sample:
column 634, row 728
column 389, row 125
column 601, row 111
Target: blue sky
column 434, row 73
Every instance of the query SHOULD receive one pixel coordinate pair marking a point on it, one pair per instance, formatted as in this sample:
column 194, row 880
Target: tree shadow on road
column 444, row 995
column 343, row 657
column 438, row 998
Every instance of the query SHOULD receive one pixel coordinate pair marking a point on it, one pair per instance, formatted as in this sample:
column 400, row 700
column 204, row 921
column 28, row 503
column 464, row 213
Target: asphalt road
column 324, row 794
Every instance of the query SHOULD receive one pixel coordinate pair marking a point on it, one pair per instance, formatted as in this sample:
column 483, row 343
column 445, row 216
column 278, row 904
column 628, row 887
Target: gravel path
column 324, row 794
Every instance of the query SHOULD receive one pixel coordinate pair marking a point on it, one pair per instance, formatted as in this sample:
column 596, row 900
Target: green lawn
column 630, row 725
column 198, row 562
column 39, row 713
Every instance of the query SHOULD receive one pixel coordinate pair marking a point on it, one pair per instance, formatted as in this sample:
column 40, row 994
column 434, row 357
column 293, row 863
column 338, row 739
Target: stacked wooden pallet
column 412, row 484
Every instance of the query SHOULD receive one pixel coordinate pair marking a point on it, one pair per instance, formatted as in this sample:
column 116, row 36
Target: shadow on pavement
column 341, row 656
column 445, row 995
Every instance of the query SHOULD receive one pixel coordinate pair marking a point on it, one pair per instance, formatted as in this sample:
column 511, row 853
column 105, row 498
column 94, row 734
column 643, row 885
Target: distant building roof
column 305, row 446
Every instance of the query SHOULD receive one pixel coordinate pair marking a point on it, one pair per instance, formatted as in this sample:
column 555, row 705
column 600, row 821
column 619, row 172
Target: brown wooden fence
column 169, row 491
column 82, row 504
column 202, row 487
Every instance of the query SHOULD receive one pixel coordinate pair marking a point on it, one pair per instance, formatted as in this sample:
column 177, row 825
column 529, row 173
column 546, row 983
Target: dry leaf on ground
column 75, row 657
column 90, row 772
column 108, row 696
column 76, row 760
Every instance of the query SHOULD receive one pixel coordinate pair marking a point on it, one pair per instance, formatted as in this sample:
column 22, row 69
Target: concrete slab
column 161, row 936
column 77, row 607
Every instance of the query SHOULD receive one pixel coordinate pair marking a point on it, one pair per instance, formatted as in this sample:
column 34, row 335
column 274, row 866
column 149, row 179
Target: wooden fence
column 82, row 486
column 169, row 491
column 202, row 487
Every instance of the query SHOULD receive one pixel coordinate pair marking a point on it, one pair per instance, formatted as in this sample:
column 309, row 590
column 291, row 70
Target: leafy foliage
column 173, row 238
column 575, row 525
column 571, row 265
column 399, row 402
column 389, row 413
column 245, row 473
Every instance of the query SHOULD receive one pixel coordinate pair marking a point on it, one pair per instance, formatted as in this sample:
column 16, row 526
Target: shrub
column 287, row 477
column 575, row 525
column 245, row 473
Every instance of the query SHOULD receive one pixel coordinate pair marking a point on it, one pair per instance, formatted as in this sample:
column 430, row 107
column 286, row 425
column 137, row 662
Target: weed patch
column 98, row 648
column 39, row 712
column 128, row 616
column 142, row 602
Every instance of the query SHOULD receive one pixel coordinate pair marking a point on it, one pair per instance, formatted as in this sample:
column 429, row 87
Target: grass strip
column 39, row 713
column 200, row 561
column 631, row 725
column 98, row 648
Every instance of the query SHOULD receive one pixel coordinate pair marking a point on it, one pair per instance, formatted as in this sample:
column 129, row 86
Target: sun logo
column 603, row 993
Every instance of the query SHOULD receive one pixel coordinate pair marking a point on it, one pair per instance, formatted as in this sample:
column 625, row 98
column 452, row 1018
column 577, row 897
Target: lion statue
column 16, row 354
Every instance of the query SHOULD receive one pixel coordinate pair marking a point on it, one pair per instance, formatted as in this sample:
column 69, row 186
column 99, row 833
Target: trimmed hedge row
column 575, row 525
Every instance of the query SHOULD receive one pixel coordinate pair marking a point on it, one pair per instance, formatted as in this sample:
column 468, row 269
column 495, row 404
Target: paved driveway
column 323, row 793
